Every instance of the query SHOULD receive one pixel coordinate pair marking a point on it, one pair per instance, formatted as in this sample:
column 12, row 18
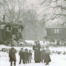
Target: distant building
column 56, row 32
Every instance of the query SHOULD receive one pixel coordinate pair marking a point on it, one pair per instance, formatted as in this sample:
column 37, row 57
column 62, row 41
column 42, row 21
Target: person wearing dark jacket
column 30, row 56
column 21, row 54
column 12, row 55
column 37, row 53
column 47, row 56
column 43, row 55
column 26, row 56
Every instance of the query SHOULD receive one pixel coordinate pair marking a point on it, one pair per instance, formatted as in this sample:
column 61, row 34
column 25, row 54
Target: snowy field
column 57, row 60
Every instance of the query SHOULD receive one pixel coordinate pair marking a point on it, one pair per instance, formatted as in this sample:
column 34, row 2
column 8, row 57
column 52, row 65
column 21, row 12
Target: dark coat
column 37, row 53
column 37, row 56
column 21, row 53
column 47, row 56
column 12, row 54
column 30, row 55
column 26, row 55
column 43, row 54
column 36, row 47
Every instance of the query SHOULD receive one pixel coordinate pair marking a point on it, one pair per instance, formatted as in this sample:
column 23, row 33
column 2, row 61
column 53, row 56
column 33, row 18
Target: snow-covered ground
column 57, row 60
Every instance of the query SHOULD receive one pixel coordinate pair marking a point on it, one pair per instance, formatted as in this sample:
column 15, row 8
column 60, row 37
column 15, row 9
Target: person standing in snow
column 43, row 55
column 37, row 53
column 21, row 54
column 30, row 56
column 47, row 56
column 26, row 56
column 12, row 55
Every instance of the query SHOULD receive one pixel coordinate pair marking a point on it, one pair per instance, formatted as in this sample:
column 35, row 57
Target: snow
column 61, row 49
column 57, row 60
column 30, row 41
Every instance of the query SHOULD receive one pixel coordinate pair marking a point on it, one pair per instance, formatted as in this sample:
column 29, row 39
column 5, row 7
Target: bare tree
column 51, row 10
column 13, row 10
column 54, row 9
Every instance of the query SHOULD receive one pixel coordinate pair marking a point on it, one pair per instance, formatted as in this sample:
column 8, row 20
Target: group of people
column 45, row 55
column 41, row 54
column 26, row 56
